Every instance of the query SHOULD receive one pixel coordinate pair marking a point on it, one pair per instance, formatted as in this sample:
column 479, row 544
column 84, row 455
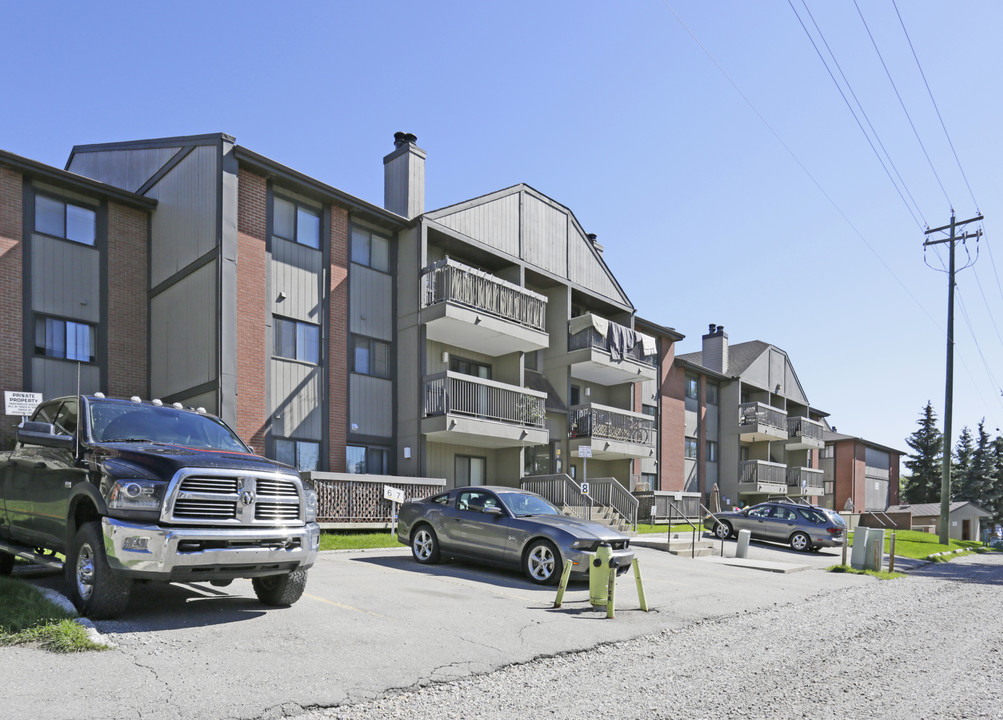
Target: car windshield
column 134, row 422
column 523, row 505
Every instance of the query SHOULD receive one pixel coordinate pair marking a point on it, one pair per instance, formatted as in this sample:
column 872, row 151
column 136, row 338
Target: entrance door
column 470, row 470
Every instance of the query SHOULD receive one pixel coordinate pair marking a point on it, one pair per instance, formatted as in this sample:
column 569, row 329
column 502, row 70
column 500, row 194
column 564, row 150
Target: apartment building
column 747, row 425
column 73, row 256
column 859, row 475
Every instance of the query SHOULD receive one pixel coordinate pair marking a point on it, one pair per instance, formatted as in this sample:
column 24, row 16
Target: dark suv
column 803, row 527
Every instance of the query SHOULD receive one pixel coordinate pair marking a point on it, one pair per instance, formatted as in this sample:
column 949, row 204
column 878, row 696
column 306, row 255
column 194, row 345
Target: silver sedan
column 508, row 527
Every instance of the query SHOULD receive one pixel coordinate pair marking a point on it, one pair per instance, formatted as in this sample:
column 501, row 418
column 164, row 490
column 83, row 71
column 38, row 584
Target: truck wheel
column 95, row 590
column 280, row 590
column 6, row 563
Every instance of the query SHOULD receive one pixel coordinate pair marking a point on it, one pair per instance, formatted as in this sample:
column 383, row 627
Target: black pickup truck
column 128, row 490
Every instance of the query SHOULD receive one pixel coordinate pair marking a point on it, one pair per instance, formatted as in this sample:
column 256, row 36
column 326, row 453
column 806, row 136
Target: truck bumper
column 193, row 554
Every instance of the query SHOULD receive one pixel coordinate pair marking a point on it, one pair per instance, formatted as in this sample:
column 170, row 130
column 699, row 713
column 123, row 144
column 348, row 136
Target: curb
column 63, row 602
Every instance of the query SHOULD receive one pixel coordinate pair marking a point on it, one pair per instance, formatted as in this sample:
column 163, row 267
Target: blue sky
column 615, row 110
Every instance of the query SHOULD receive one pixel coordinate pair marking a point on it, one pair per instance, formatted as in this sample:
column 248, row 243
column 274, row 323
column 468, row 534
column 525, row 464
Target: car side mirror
column 44, row 434
column 493, row 510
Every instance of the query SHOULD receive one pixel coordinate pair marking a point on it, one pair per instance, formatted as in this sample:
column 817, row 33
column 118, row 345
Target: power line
column 862, row 112
column 902, row 103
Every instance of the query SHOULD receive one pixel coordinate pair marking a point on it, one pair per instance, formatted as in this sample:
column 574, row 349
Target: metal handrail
column 455, row 393
column 560, row 490
column 757, row 413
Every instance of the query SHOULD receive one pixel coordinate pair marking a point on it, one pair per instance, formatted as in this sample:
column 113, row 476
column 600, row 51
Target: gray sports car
column 505, row 526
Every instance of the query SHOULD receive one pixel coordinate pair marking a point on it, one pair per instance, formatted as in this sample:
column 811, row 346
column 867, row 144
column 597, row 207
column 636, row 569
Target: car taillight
column 835, row 531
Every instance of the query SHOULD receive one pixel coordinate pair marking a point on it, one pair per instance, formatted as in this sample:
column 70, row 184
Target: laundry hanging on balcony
column 621, row 340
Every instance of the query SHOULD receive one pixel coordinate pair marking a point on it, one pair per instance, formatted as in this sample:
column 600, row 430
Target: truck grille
column 226, row 498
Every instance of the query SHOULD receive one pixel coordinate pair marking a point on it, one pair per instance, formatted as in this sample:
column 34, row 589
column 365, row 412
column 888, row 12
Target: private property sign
column 20, row 403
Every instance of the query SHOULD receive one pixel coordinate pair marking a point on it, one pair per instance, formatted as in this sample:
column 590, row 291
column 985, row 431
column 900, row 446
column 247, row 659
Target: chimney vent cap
column 402, row 138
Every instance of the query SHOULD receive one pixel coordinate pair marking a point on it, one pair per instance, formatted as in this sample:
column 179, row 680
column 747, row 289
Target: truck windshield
column 132, row 422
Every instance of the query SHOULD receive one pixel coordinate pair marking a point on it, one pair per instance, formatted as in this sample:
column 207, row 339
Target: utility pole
column 945, row 480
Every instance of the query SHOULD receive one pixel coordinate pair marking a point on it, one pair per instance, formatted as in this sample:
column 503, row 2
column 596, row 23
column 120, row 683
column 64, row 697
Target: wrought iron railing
column 560, row 490
column 757, row 413
column 809, row 481
column 800, row 426
column 608, row 423
column 608, row 492
column 761, row 471
column 452, row 281
column 592, row 338
column 458, row 394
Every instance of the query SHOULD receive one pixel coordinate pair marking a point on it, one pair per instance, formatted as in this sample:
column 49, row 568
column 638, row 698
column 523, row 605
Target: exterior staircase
column 603, row 515
column 678, row 543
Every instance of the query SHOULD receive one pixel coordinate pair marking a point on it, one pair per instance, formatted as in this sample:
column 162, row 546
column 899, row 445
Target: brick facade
column 672, row 428
column 338, row 341
column 11, row 271
column 252, row 317
column 128, row 231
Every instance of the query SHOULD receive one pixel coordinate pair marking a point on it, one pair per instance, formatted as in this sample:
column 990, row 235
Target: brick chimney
column 715, row 349
column 404, row 177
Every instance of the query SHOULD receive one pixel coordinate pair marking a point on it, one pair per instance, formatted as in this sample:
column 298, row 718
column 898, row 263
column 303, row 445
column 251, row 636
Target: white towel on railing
column 647, row 344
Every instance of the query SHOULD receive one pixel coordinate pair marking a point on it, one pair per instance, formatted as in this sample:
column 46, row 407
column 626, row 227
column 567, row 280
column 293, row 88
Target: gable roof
column 930, row 509
column 522, row 222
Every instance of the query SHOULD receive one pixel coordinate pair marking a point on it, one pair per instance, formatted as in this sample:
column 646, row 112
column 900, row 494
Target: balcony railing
column 600, row 421
column 451, row 281
column 630, row 342
column 757, row 413
column 456, row 394
column 805, row 480
column 800, row 426
column 763, row 472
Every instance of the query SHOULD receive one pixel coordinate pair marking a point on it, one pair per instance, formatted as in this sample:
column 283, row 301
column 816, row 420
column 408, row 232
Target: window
column 692, row 387
column 690, row 449
column 649, row 480
column 712, row 390
column 531, row 360
column 65, row 220
column 470, row 367
column 370, row 357
column 297, row 340
column 362, row 459
column 542, row 459
column 370, row 249
column 470, row 470
column 743, row 454
column 650, row 410
column 295, row 223
column 576, row 395
column 304, row 455
column 711, row 451
column 64, row 339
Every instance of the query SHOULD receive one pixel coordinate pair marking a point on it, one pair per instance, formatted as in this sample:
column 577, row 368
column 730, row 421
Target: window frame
column 711, row 451
column 297, row 325
column 691, row 442
column 367, row 460
column 296, row 447
column 373, row 343
column 298, row 207
column 713, row 393
column 66, row 322
column 368, row 262
column 695, row 382
column 67, row 204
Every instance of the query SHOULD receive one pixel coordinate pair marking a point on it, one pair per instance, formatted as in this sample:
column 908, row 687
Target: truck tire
column 280, row 590
column 6, row 563
column 95, row 590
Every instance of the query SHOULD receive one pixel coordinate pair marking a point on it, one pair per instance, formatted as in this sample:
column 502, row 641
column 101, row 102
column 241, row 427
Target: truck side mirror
column 44, row 434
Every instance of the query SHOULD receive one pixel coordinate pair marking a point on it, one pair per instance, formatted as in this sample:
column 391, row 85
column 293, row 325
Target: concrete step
column 678, row 544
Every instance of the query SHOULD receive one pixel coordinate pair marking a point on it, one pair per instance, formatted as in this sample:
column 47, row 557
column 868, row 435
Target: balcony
column 612, row 433
column 758, row 422
column 472, row 309
column 805, row 482
column 804, row 434
column 607, row 353
column 759, row 477
column 465, row 410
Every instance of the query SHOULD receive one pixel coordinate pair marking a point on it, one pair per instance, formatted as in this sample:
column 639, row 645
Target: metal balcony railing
column 761, row 471
column 800, row 426
column 592, row 338
column 457, row 394
column 608, row 423
column 757, row 413
column 805, row 478
column 452, row 281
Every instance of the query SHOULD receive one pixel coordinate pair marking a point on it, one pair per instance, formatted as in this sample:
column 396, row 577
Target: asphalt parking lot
column 369, row 622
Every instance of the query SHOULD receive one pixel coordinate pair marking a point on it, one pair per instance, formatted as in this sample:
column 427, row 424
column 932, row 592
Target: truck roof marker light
column 200, row 410
column 99, row 395
column 158, row 402
column 177, row 406
column 136, row 399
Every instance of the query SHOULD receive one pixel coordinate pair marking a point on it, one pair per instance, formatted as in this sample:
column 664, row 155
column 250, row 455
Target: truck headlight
column 134, row 494
column 309, row 504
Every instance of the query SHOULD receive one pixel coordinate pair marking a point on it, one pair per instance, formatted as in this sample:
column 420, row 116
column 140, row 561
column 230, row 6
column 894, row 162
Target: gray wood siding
column 370, row 303
column 544, row 235
column 495, row 223
column 295, row 399
column 128, row 169
column 370, row 406
column 56, row 378
column 778, row 372
column 65, row 279
column 183, row 333
column 184, row 226
column 585, row 269
column 297, row 271
column 794, row 390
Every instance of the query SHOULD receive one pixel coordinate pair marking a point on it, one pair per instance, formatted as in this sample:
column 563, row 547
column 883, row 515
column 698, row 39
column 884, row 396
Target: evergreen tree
column 964, row 451
column 976, row 480
column 995, row 499
column 927, row 443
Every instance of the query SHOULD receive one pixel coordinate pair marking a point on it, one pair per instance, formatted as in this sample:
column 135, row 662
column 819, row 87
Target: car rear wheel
column 425, row 545
column 542, row 563
column 723, row 530
column 800, row 542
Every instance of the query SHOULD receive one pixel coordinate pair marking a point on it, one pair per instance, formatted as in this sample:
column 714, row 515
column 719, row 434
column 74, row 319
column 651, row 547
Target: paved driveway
column 368, row 622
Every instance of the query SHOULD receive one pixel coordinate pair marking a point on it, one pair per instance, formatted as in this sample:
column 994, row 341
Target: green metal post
column 640, row 585
column 563, row 585
column 611, row 601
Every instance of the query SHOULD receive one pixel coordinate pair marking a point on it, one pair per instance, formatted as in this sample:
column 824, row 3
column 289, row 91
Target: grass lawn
column 880, row 575
column 27, row 618
column 919, row 545
column 341, row 540
column 664, row 528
